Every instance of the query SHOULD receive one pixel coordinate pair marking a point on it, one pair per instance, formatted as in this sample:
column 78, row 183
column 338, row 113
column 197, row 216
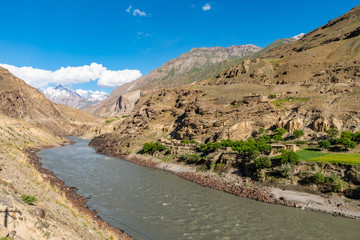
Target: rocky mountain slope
column 315, row 83
column 74, row 98
column 196, row 65
column 18, row 100
column 40, row 205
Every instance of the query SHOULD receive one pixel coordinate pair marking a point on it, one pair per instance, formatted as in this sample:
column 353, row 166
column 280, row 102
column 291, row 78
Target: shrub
column 280, row 131
column 298, row 133
column 262, row 162
column 191, row 158
column 272, row 96
column 151, row 147
column 337, row 184
column 289, row 156
column 261, row 130
column 324, row 144
column 332, row 133
column 28, row 199
column 285, row 170
column 319, row 178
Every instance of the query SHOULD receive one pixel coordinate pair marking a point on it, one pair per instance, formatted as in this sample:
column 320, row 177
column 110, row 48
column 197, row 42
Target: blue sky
column 50, row 34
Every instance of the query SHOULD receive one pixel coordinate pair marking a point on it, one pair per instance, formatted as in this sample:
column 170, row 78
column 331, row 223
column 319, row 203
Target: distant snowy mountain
column 75, row 98
column 299, row 36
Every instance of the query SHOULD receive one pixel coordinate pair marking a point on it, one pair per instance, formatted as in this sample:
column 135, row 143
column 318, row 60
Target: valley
column 279, row 125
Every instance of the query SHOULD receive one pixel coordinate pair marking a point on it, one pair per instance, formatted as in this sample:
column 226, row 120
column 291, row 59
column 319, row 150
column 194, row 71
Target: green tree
column 280, row 131
column 277, row 138
column 265, row 138
column 298, row 133
column 324, row 144
column 289, row 156
column 332, row 133
column 262, row 162
column 346, row 135
column 356, row 137
column 348, row 143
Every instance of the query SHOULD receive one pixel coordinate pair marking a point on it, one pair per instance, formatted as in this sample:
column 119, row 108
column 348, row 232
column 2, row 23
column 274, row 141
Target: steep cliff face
column 19, row 100
column 193, row 66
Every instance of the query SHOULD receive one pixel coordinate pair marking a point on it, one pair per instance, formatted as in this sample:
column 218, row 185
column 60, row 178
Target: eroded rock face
column 126, row 102
column 250, row 70
column 321, row 125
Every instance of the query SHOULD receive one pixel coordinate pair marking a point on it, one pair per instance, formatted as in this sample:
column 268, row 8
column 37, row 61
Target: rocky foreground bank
column 76, row 201
column 236, row 185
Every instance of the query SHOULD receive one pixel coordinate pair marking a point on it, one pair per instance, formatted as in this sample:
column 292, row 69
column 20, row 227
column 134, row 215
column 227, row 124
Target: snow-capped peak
column 299, row 36
column 78, row 98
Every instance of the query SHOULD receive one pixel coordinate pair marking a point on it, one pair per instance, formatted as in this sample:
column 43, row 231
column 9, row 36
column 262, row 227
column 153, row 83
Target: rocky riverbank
column 77, row 201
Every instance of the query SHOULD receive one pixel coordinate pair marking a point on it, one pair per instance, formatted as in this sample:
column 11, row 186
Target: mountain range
column 196, row 65
column 74, row 98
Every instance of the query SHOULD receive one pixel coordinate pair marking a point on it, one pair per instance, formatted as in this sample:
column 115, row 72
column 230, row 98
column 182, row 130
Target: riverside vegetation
column 256, row 158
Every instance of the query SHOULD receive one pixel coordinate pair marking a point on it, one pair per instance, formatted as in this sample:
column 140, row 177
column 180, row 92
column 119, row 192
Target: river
column 152, row 204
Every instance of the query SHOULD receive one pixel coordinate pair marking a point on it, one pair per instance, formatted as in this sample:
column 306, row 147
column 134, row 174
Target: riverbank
column 335, row 205
column 76, row 201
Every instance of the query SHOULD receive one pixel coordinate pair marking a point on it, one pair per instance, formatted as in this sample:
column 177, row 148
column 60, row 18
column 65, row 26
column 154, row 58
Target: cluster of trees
column 247, row 148
column 347, row 139
column 280, row 132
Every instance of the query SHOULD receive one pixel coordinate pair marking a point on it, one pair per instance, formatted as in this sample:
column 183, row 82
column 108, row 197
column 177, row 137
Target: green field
column 314, row 156
column 305, row 155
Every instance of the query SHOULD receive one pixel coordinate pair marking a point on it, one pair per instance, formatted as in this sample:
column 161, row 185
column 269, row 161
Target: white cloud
column 137, row 12
column 129, row 9
column 141, row 34
column 40, row 78
column 206, row 7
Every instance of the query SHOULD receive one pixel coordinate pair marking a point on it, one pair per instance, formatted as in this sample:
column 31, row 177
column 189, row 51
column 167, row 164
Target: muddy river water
column 152, row 204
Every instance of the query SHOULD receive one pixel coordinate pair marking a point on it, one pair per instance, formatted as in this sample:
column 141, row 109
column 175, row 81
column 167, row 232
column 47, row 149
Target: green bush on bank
column 192, row 158
column 319, row 178
column 151, row 147
column 28, row 199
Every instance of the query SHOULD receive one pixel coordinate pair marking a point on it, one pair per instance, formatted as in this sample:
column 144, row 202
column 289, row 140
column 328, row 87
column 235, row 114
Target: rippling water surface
column 152, row 204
